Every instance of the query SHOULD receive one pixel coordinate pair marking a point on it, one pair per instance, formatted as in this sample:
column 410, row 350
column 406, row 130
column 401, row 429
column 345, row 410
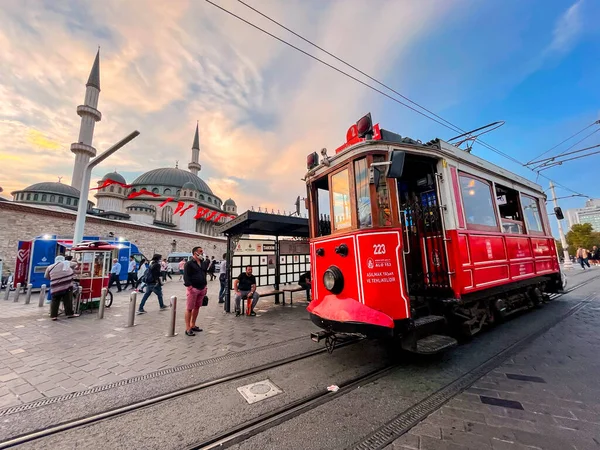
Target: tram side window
column 510, row 210
column 323, row 220
column 363, row 195
column 478, row 203
column 532, row 214
column 340, row 190
column 384, row 211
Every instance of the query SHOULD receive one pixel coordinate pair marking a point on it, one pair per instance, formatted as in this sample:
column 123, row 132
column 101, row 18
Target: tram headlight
column 333, row 279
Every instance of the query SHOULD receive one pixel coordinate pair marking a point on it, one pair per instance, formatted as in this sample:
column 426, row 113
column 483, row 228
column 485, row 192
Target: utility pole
column 85, row 185
column 567, row 264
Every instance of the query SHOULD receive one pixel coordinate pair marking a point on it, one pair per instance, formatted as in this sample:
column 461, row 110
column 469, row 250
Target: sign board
column 294, row 248
column 22, row 265
column 254, row 247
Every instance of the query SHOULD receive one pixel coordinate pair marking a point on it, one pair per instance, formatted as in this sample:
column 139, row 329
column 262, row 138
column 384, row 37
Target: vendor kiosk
column 92, row 273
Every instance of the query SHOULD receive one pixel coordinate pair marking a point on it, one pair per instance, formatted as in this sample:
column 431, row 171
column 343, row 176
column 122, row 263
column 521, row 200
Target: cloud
column 261, row 106
column 568, row 28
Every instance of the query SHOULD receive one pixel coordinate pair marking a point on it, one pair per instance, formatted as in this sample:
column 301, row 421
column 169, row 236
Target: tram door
column 424, row 250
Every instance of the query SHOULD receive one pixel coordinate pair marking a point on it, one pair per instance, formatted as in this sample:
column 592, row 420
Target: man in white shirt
column 131, row 273
column 223, row 278
column 115, row 271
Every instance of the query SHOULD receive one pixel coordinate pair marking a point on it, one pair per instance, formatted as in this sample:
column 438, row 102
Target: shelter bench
column 291, row 290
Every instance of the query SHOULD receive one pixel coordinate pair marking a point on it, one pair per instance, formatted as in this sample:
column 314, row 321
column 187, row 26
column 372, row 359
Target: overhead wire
column 562, row 142
column 445, row 122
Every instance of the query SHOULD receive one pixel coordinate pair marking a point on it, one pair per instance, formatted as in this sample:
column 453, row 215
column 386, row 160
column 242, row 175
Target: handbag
column 205, row 301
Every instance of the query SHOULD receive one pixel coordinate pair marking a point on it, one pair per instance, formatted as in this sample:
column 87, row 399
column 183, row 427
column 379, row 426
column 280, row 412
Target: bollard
column 7, row 293
column 171, row 330
column 77, row 299
column 102, row 302
column 28, row 297
column 17, row 293
column 132, row 302
column 42, row 296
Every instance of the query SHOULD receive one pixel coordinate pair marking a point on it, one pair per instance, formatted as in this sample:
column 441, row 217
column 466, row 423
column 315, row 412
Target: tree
column 582, row 235
column 559, row 247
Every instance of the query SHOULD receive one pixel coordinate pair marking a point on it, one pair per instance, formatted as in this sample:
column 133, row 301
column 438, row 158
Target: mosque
column 113, row 202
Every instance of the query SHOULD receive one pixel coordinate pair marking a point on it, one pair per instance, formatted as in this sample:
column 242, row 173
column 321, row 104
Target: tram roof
column 265, row 224
column 438, row 148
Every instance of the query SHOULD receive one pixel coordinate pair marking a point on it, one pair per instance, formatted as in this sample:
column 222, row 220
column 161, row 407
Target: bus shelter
column 288, row 260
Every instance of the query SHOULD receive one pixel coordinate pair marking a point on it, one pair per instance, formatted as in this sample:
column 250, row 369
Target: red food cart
column 92, row 272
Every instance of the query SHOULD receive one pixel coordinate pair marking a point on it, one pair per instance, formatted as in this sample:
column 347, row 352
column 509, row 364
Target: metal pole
column 17, row 293
column 229, row 258
column 277, row 271
column 567, row 264
column 171, row 330
column 77, row 298
column 42, row 296
column 132, row 302
column 28, row 296
column 7, row 292
column 102, row 301
column 85, row 185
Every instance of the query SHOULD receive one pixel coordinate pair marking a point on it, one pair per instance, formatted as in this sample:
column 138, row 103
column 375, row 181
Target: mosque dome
column 189, row 186
column 115, row 177
column 229, row 202
column 53, row 188
column 172, row 177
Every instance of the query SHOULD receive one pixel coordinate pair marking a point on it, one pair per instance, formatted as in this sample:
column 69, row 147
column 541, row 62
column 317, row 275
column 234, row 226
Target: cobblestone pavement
column 546, row 397
column 41, row 358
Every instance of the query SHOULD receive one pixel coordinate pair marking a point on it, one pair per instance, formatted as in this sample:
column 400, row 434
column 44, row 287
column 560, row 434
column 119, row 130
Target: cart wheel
column 108, row 300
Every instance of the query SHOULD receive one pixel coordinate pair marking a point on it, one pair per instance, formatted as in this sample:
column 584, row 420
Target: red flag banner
column 201, row 212
column 179, row 206
column 142, row 192
column 211, row 215
column 185, row 209
column 108, row 182
column 219, row 216
column 170, row 199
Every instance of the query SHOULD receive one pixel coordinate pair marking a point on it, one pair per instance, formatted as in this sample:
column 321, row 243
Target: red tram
column 409, row 239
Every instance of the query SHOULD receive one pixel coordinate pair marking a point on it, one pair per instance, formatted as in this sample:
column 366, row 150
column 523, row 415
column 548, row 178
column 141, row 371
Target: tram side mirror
column 396, row 166
column 559, row 213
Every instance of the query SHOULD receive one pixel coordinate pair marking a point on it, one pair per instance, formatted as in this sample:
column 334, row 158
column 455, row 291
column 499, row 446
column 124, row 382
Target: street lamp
column 567, row 264
column 85, row 184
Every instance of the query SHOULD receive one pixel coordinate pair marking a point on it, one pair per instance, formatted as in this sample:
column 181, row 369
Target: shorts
column 194, row 297
column 181, row 272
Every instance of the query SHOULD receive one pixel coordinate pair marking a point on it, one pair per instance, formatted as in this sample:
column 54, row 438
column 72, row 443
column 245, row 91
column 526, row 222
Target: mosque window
column 178, row 192
column 112, row 189
column 216, row 202
column 133, row 190
column 120, row 190
column 167, row 191
column 60, row 199
column 209, row 200
column 201, row 197
column 75, row 202
column 44, row 197
column 52, row 198
column 35, row 197
column 167, row 214
column 28, row 196
column 155, row 190
column 68, row 200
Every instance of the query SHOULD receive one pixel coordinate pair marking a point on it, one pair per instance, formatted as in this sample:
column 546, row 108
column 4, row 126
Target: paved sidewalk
column 546, row 397
column 41, row 358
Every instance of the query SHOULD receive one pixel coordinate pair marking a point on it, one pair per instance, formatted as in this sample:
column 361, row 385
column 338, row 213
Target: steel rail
column 111, row 413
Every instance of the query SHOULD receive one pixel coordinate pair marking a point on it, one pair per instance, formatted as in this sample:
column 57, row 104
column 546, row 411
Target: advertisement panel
column 254, row 247
column 294, row 248
column 22, row 265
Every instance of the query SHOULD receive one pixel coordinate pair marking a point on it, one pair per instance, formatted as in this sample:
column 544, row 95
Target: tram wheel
column 108, row 300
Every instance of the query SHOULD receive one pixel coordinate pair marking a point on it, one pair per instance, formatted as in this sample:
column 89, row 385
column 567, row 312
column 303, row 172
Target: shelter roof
column 265, row 224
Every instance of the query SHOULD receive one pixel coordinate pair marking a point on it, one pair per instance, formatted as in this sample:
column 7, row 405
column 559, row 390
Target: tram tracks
column 243, row 431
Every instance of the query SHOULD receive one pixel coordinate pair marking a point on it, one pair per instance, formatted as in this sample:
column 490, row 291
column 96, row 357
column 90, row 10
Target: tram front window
column 340, row 189
column 384, row 214
column 322, row 226
column 363, row 196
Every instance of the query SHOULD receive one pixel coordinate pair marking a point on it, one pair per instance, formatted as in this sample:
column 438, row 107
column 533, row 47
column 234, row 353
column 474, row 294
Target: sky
column 262, row 107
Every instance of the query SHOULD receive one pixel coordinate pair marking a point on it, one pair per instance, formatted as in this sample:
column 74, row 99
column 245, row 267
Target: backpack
column 148, row 277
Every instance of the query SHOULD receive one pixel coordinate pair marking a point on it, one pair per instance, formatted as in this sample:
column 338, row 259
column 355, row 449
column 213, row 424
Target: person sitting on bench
column 245, row 287
column 304, row 281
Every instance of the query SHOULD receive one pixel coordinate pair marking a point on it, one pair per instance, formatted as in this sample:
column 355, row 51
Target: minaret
column 89, row 116
column 194, row 166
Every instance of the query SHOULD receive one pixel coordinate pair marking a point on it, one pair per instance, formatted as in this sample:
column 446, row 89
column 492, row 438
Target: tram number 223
column 379, row 249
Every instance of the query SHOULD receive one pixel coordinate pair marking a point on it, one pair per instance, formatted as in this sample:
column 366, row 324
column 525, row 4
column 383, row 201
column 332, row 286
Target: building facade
column 590, row 213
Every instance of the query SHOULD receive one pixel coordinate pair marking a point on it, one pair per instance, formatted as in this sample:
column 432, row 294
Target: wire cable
column 560, row 143
column 450, row 126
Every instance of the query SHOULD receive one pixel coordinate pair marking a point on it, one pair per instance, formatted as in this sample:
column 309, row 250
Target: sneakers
column 252, row 313
column 237, row 313
column 189, row 333
column 163, row 308
column 141, row 311
column 196, row 329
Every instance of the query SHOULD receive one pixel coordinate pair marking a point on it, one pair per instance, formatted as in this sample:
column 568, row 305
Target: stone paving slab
column 40, row 358
column 545, row 397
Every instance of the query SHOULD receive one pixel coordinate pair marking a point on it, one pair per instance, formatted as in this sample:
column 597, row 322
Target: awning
column 265, row 224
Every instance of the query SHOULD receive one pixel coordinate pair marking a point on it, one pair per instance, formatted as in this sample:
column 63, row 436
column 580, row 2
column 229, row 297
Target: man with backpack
column 194, row 278
column 153, row 284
